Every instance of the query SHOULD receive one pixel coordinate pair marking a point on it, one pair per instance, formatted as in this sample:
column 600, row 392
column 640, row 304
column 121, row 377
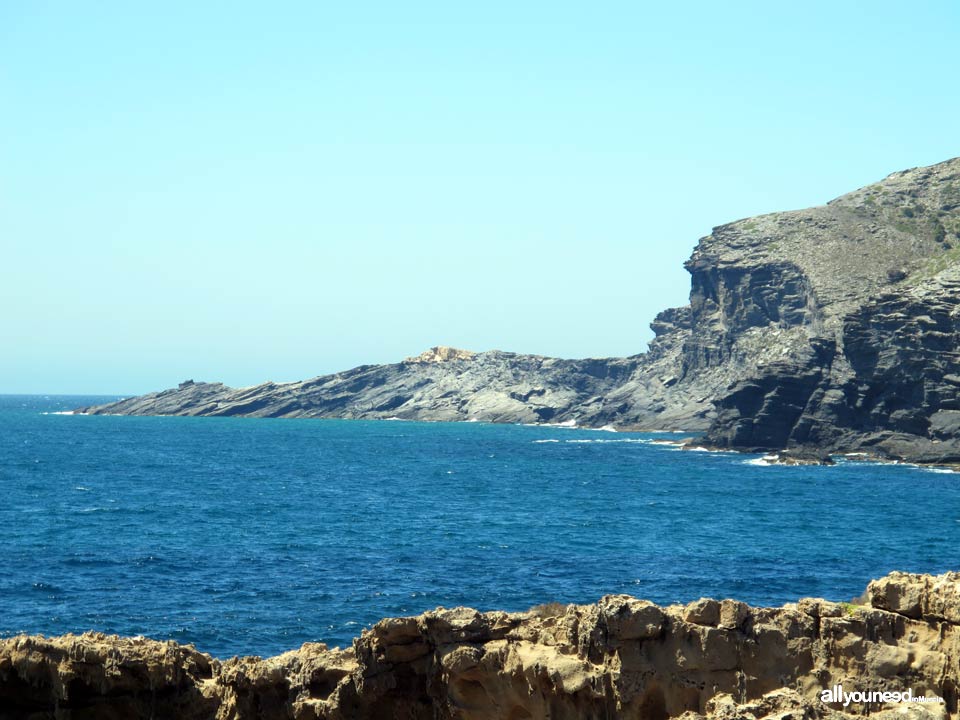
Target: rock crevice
column 618, row 658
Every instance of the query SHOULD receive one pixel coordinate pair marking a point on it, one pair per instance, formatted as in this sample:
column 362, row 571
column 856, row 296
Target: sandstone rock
column 899, row 593
column 630, row 619
column 733, row 614
column 704, row 611
column 621, row 658
column 918, row 596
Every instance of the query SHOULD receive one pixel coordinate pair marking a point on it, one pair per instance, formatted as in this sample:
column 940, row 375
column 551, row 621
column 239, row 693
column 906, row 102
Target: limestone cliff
column 833, row 327
column 619, row 658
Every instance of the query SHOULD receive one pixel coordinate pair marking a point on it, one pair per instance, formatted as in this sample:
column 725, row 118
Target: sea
column 252, row 536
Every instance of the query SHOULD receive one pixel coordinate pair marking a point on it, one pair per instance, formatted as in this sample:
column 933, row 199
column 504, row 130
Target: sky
column 244, row 192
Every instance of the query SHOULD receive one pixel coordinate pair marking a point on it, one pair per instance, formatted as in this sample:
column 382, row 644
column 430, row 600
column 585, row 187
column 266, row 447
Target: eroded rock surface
column 619, row 658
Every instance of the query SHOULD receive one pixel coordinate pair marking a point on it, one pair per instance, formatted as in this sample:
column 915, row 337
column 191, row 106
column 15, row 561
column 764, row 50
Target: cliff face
column 834, row 326
column 619, row 658
column 865, row 290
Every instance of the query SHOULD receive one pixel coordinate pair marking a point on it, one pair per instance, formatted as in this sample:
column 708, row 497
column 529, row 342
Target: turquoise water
column 253, row 536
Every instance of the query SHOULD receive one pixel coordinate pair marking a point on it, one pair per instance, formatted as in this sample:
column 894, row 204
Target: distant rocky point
column 826, row 330
column 441, row 353
column 619, row 658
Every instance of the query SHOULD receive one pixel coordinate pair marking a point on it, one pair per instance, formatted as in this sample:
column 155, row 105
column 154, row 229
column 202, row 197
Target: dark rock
column 802, row 456
column 835, row 327
column 880, row 363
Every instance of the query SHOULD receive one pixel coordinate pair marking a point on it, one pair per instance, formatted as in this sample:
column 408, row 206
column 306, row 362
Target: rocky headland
column 618, row 658
column 826, row 330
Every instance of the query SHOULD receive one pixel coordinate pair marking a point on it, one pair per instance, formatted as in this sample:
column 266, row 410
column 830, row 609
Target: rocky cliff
column 832, row 327
column 448, row 384
column 440, row 384
column 619, row 658
column 865, row 290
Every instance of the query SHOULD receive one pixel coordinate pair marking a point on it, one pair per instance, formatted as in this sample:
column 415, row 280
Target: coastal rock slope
column 448, row 384
column 857, row 300
column 441, row 384
column 619, row 658
column 833, row 327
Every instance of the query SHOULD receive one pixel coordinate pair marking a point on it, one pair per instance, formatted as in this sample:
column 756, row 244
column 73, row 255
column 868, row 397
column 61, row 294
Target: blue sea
column 249, row 536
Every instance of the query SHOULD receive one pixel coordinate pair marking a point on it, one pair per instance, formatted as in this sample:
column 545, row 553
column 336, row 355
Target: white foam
column 699, row 448
column 610, row 440
column 592, row 441
column 569, row 424
column 765, row 461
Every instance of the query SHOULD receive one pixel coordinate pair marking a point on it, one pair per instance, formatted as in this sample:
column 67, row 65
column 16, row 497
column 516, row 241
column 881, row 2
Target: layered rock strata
column 834, row 327
column 867, row 288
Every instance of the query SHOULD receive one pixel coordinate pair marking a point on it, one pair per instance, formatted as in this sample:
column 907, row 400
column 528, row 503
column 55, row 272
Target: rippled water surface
column 253, row 536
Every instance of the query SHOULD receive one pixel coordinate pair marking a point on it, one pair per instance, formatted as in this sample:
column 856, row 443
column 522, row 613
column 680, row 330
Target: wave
column 673, row 444
column 765, row 461
column 596, row 441
column 641, row 441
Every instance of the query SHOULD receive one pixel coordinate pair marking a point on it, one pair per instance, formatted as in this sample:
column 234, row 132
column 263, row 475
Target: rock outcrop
column 834, row 327
column 619, row 658
column 441, row 353
column 866, row 288
column 441, row 384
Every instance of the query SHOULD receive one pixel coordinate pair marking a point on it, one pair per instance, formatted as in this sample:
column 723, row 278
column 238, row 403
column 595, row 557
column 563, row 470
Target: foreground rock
column 834, row 328
column 619, row 658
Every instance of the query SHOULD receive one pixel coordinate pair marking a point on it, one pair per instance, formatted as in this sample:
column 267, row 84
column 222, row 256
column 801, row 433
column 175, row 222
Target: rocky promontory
column 831, row 329
column 450, row 384
column 866, row 287
column 618, row 658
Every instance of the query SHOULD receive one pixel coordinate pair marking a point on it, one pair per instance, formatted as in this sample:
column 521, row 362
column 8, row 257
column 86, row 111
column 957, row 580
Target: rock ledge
column 618, row 658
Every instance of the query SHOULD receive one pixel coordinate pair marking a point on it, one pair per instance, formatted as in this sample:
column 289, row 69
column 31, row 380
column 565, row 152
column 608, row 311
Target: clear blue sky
column 249, row 191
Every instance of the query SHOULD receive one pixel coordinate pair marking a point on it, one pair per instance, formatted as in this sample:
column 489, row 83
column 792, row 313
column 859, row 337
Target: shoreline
column 797, row 455
column 619, row 657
